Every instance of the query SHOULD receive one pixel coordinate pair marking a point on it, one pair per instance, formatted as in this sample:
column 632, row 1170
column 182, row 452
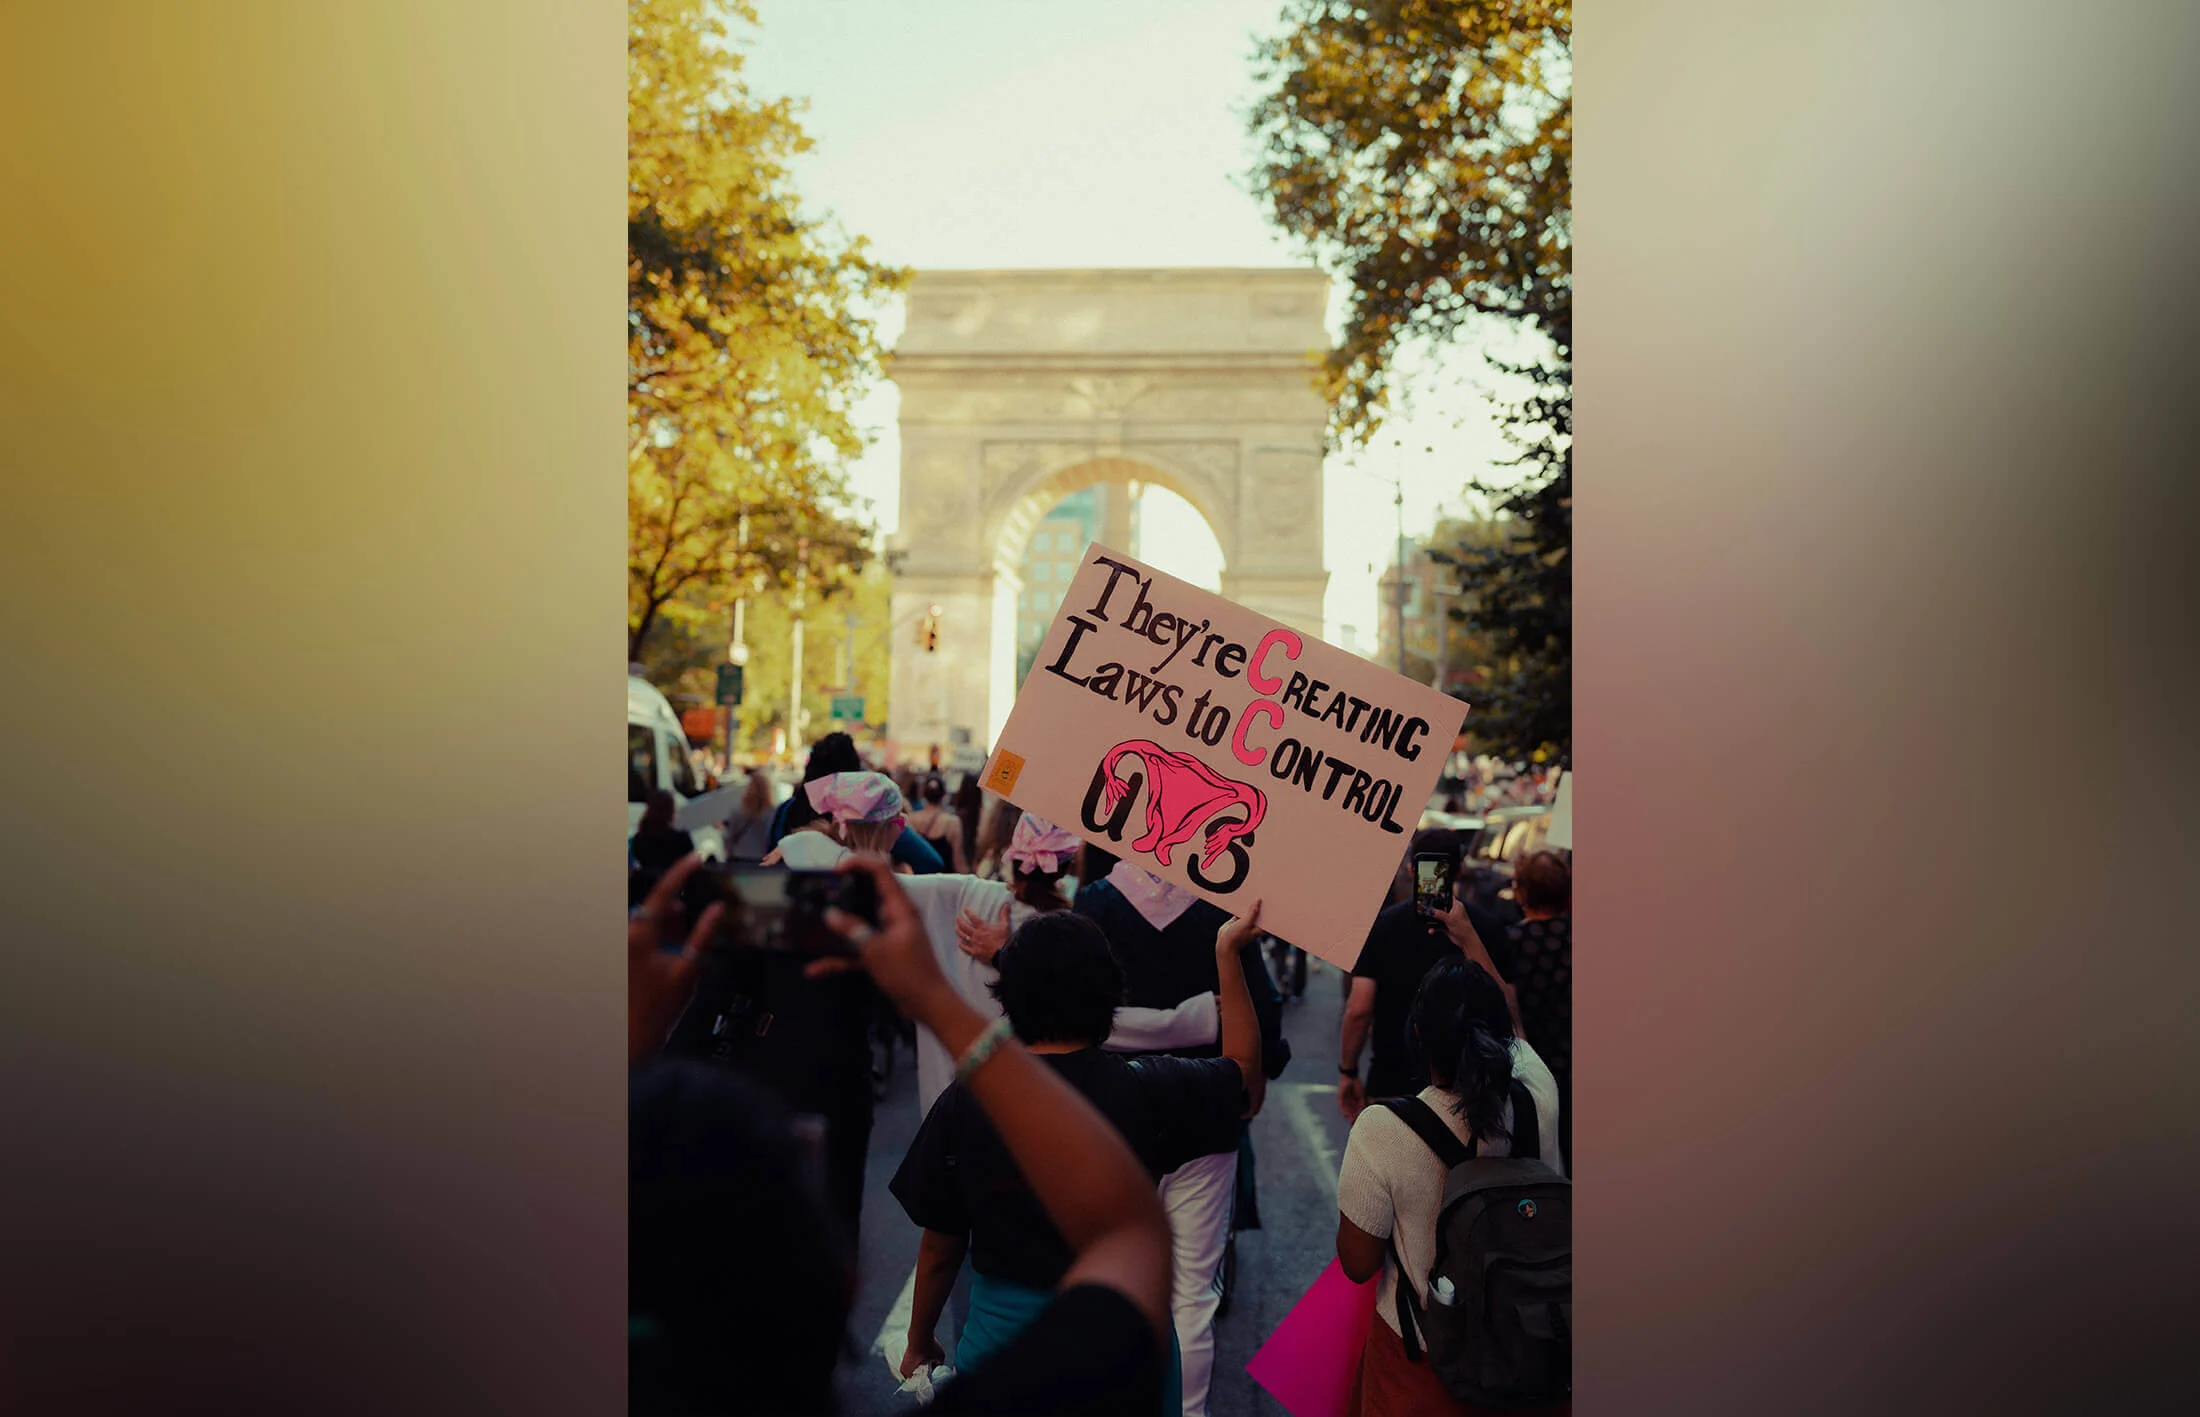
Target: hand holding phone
column 1433, row 872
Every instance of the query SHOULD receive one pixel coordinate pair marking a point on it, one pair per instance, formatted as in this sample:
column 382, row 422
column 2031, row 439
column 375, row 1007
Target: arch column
column 1296, row 600
column 958, row 695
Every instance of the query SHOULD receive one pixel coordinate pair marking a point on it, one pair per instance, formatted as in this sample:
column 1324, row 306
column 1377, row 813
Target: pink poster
column 1224, row 751
column 1309, row 1362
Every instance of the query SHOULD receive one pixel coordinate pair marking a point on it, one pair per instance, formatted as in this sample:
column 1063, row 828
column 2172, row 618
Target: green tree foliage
column 749, row 335
column 1519, row 587
column 1423, row 149
column 690, row 643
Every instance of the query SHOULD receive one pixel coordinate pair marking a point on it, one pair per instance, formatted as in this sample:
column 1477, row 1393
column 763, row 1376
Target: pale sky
column 1029, row 133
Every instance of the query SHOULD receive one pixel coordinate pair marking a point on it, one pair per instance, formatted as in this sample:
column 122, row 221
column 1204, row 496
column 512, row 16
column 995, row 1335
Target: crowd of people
column 1092, row 1044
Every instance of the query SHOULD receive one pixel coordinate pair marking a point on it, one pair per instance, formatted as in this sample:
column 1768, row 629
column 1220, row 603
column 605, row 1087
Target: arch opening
column 1131, row 506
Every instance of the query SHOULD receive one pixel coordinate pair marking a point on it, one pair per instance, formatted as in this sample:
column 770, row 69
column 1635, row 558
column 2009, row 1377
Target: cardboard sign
column 1309, row 1362
column 1224, row 751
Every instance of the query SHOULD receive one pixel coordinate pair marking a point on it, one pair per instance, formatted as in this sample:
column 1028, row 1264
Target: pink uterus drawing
column 1182, row 795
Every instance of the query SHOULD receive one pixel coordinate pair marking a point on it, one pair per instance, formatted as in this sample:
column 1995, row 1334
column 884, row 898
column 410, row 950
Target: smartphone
column 1432, row 877
column 772, row 908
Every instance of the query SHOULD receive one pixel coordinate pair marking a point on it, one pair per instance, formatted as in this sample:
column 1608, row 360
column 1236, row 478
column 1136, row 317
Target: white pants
column 1198, row 1197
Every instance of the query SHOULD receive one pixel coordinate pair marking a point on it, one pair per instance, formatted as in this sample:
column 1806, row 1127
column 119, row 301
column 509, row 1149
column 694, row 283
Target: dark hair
column 1041, row 890
column 1464, row 1031
column 657, row 814
column 969, row 802
column 1059, row 982
column 738, row 1275
column 835, row 752
column 1543, row 881
column 935, row 791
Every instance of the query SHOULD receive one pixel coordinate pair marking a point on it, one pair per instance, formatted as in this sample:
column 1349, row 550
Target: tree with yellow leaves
column 750, row 331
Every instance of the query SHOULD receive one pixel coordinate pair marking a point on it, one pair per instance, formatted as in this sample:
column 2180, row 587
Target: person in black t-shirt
column 1058, row 985
column 1404, row 943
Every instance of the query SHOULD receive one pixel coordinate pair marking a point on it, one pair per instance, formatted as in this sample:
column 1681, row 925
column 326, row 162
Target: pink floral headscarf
column 1039, row 845
column 857, row 797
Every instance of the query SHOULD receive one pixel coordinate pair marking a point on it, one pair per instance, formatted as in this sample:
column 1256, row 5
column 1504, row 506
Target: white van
column 657, row 756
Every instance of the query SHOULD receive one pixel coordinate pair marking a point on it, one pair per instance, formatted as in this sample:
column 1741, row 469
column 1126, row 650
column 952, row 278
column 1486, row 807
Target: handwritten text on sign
column 1270, row 766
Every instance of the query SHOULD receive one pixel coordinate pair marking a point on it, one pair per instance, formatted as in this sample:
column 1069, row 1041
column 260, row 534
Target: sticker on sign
column 1224, row 751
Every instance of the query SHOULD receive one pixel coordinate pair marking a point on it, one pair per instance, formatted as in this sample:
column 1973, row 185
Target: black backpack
column 1504, row 1255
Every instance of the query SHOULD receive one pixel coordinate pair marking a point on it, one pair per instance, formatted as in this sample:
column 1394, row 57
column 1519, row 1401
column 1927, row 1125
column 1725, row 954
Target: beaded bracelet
column 996, row 1033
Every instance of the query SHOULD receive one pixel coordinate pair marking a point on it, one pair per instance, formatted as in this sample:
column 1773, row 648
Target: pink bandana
column 1039, row 845
column 857, row 797
column 1158, row 900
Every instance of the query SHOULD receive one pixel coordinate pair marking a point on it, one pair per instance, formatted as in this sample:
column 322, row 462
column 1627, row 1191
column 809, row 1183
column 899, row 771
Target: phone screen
column 785, row 910
column 1432, row 882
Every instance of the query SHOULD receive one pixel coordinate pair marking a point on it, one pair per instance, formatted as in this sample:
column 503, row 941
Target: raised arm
column 1084, row 1174
column 1462, row 933
column 1195, row 1023
column 1240, row 1025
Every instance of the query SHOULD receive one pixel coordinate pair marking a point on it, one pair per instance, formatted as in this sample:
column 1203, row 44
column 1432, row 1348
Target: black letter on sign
column 1240, row 861
column 1113, row 826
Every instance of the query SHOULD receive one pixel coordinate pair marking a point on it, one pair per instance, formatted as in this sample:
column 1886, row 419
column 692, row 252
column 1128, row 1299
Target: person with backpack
column 1461, row 1189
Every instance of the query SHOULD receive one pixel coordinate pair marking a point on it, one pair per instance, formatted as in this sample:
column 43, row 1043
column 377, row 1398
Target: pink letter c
column 1273, row 712
column 1260, row 678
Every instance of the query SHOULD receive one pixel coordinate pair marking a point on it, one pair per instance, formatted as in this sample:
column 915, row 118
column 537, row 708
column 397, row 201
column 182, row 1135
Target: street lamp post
column 738, row 651
column 794, row 671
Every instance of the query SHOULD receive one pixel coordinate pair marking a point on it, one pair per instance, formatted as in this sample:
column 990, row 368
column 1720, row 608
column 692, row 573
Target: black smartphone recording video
column 1433, row 872
column 774, row 909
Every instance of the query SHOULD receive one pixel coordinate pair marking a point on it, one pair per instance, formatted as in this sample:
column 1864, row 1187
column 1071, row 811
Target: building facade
column 1051, row 558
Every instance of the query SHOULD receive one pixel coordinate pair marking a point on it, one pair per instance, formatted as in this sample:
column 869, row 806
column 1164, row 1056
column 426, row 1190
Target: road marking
column 1310, row 1130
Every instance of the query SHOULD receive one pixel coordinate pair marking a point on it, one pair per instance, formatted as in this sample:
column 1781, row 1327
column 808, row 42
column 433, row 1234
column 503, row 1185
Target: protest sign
column 1224, row 751
column 1309, row 1362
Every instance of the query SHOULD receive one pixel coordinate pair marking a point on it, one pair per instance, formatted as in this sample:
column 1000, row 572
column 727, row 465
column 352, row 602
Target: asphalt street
column 1298, row 1139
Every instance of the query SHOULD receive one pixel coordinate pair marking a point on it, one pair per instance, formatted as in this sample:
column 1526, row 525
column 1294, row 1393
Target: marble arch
column 1018, row 387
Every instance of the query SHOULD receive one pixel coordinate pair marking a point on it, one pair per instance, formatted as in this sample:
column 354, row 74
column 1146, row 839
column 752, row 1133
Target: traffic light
column 928, row 632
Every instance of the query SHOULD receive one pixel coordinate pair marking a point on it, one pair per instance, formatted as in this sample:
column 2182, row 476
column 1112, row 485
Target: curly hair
column 1059, row 982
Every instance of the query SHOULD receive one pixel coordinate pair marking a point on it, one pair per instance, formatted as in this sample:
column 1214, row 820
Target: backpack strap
column 1527, row 1133
column 1431, row 1130
column 1452, row 1152
column 1408, row 1308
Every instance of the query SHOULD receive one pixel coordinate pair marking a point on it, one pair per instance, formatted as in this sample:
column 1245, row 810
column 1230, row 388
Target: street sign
column 848, row 707
column 729, row 684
